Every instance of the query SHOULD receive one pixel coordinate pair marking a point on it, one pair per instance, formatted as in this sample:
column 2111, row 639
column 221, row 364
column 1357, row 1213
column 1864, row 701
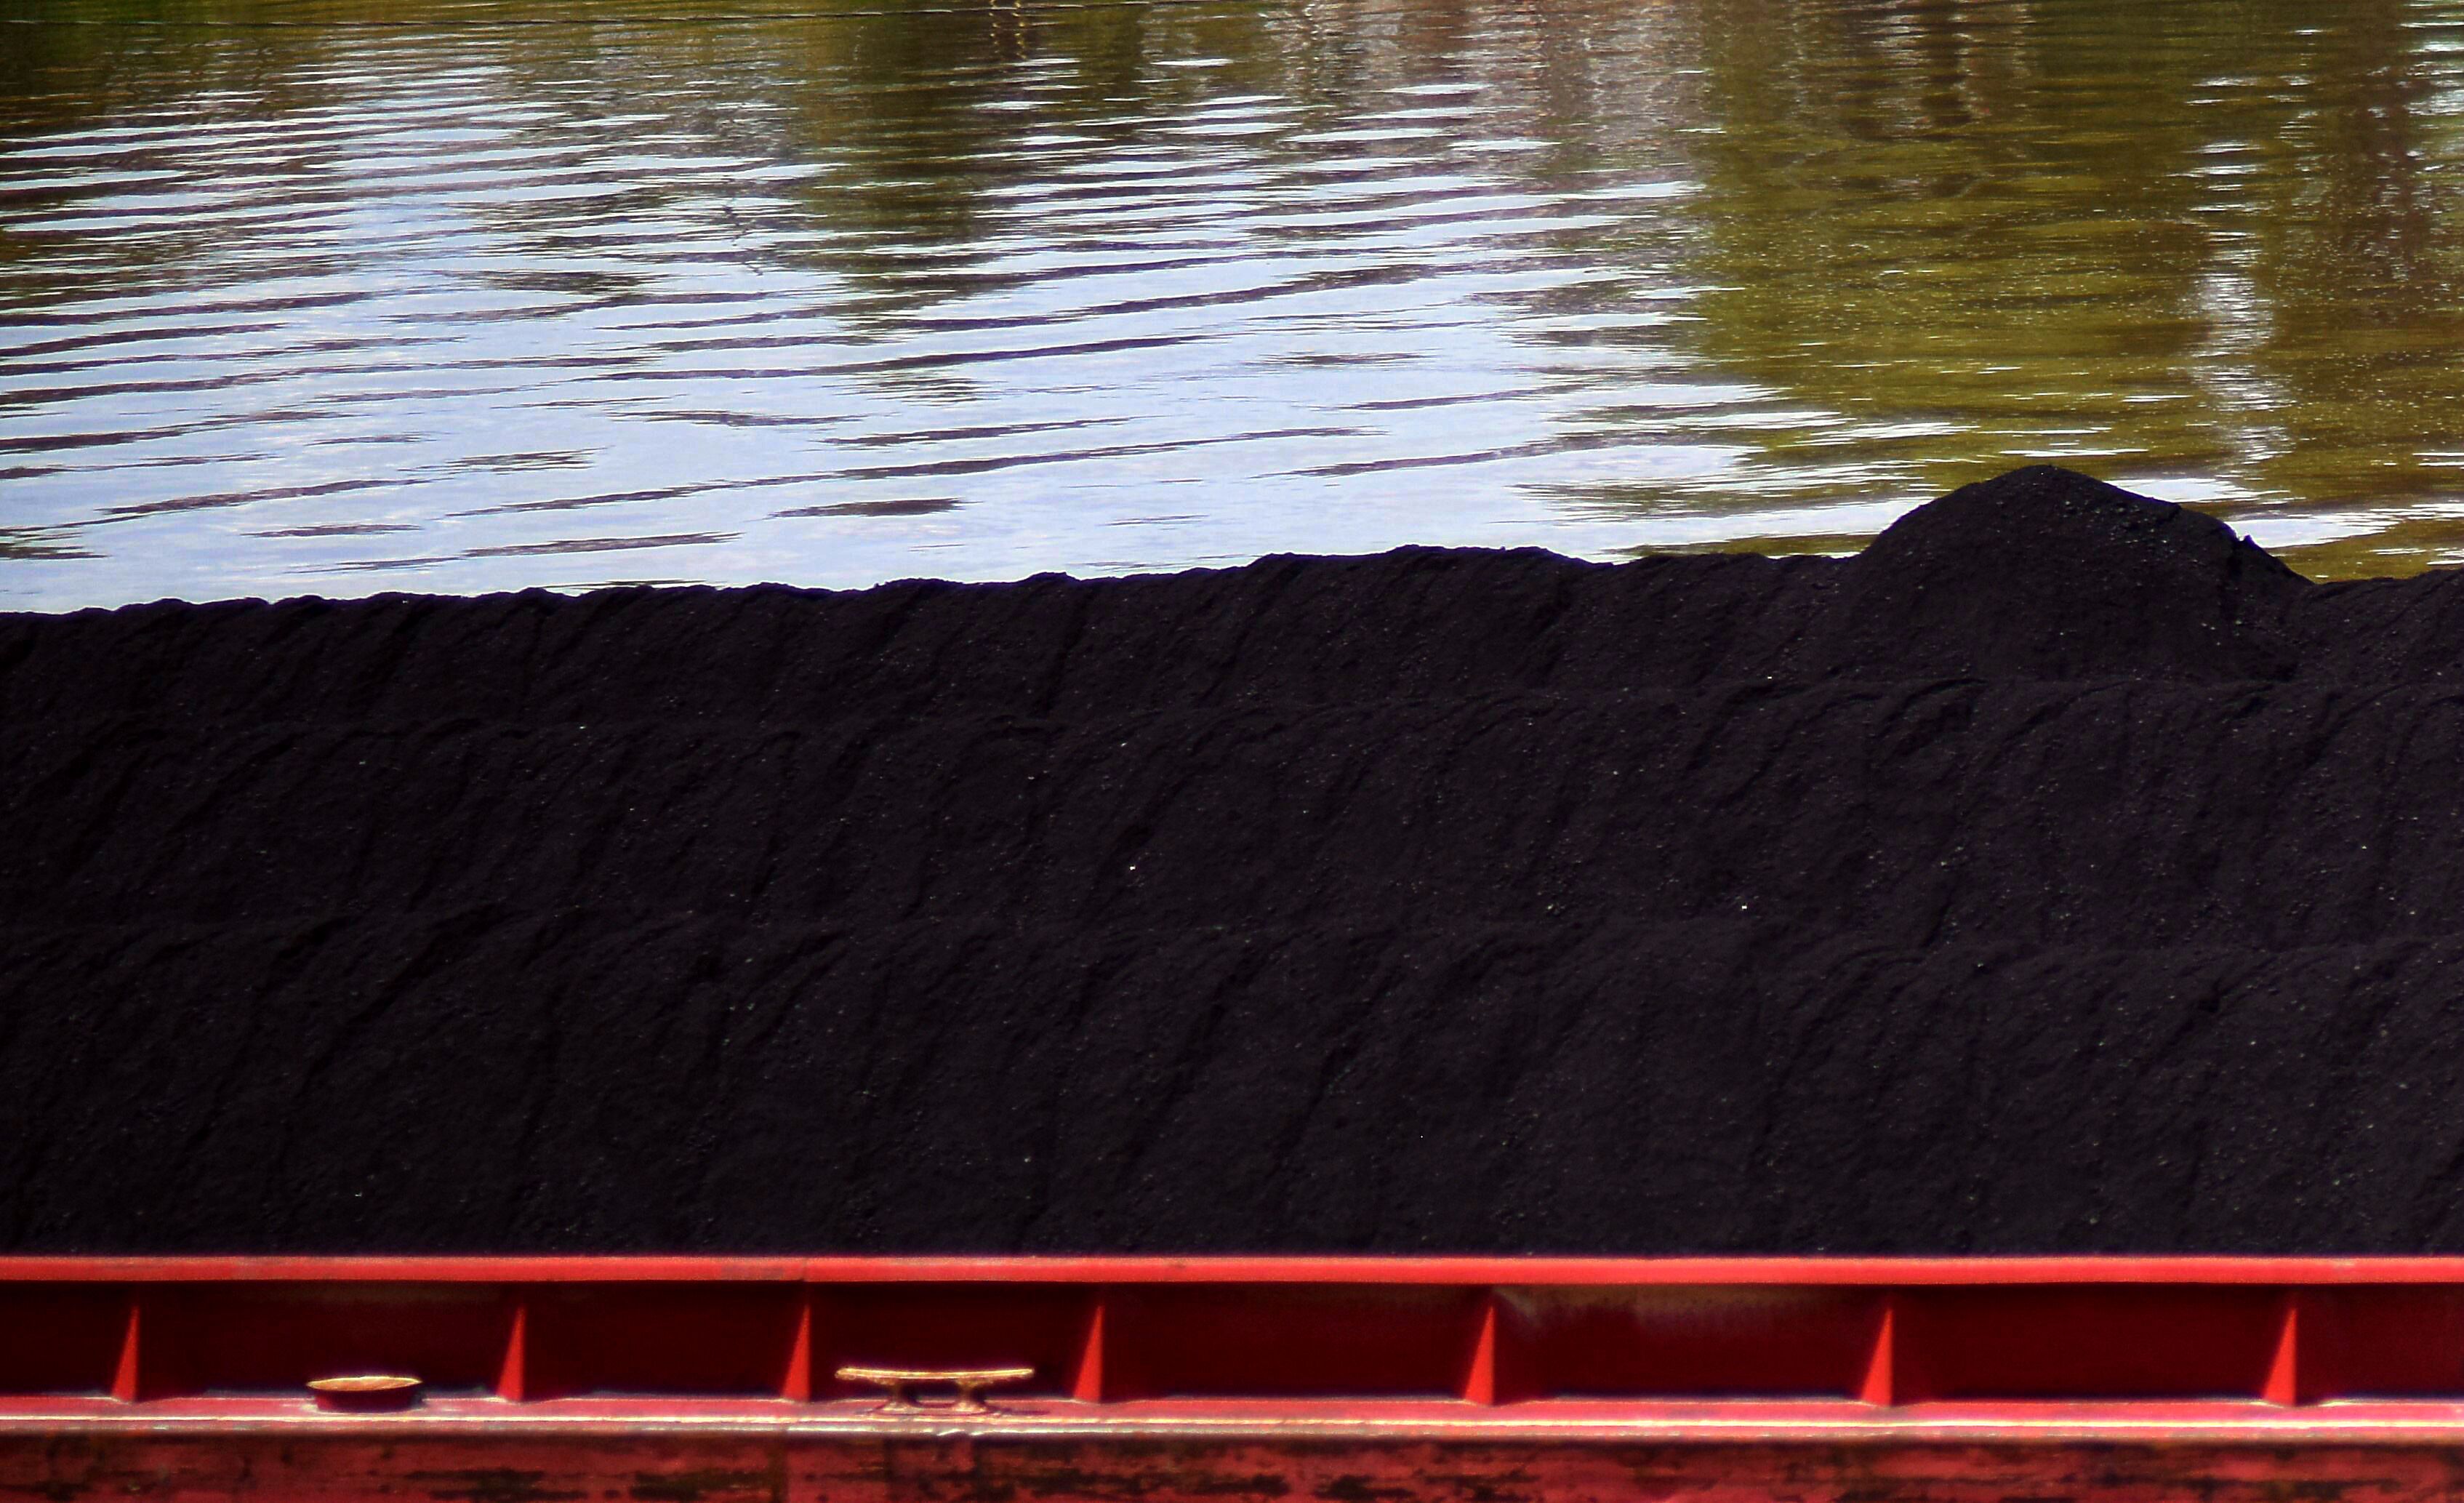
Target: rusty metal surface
column 1818, row 1423
column 785, row 1469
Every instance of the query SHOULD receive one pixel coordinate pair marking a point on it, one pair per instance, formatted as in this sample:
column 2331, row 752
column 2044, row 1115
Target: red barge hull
column 1225, row 1379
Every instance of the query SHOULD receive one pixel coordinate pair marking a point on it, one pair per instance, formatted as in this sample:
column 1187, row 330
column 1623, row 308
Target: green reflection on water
column 2145, row 238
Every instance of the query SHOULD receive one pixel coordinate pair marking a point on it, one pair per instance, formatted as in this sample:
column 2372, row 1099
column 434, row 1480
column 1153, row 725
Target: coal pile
column 2061, row 873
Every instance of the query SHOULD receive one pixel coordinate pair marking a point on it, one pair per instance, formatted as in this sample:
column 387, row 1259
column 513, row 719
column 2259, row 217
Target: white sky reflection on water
column 343, row 296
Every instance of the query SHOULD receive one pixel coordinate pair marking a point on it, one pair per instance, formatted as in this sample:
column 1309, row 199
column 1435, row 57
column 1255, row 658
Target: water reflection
column 2244, row 293
column 349, row 295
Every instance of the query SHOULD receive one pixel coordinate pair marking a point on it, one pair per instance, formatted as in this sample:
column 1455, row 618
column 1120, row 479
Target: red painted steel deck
column 1473, row 1381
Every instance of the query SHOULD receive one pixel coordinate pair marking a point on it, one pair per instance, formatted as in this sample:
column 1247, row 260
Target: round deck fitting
column 361, row 1392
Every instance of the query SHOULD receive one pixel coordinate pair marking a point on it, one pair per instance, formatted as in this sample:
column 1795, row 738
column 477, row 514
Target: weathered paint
column 137, row 1467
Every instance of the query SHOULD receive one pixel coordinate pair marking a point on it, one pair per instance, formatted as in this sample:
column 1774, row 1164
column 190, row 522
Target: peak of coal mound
column 2060, row 874
column 2045, row 573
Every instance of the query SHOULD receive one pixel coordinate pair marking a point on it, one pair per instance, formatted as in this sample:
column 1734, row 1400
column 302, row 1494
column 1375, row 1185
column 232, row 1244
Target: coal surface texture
column 2061, row 873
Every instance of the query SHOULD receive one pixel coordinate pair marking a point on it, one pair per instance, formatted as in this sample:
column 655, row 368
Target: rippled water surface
column 341, row 295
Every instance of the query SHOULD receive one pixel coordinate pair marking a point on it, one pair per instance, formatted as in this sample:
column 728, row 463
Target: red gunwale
column 1643, row 1271
column 2309, row 1349
column 1187, row 1380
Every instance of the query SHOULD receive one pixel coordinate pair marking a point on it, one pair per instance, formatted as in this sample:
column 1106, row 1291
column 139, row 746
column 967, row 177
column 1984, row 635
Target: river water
column 343, row 296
